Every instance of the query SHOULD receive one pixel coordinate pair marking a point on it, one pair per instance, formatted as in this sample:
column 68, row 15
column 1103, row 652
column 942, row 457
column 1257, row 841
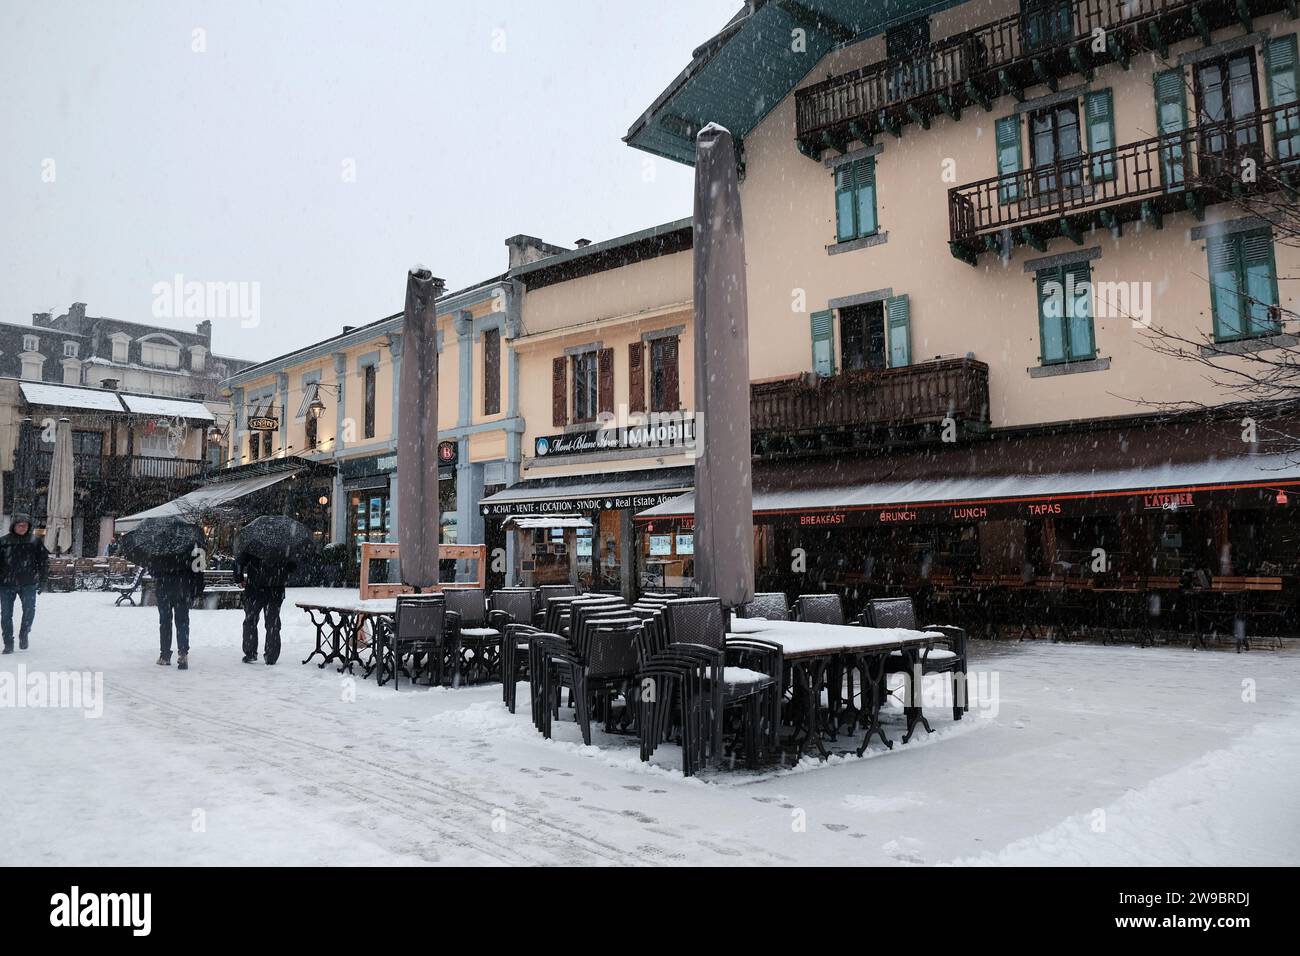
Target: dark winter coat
column 177, row 579
column 256, row 576
column 23, row 558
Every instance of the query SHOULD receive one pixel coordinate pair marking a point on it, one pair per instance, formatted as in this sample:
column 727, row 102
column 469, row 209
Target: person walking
column 24, row 564
column 176, row 585
column 263, row 594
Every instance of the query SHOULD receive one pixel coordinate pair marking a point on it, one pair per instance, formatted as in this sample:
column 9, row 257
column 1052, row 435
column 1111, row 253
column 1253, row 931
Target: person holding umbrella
column 173, row 550
column 269, row 549
column 24, row 563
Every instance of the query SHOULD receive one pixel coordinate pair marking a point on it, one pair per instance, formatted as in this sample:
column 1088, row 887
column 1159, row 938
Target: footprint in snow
column 837, row 827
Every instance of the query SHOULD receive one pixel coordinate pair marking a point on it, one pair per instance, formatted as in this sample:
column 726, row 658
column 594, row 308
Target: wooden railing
column 123, row 467
column 925, row 393
column 1197, row 164
column 1047, row 41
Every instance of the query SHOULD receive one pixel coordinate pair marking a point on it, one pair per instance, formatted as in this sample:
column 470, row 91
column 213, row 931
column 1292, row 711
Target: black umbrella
column 163, row 539
column 276, row 540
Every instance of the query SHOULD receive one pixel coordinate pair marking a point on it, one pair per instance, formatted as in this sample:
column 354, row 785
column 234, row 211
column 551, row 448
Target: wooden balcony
column 119, row 468
column 869, row 407
column 1004, row 57
column 1182, row 171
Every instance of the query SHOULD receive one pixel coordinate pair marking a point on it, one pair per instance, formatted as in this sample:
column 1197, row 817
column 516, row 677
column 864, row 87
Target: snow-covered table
column 339, row 626
column 813, row 649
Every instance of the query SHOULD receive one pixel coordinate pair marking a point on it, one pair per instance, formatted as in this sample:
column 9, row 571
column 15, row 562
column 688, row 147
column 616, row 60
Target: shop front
column 369, row 500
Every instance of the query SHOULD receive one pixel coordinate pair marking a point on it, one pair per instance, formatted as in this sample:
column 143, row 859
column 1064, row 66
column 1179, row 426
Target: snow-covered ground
column 1085, row 754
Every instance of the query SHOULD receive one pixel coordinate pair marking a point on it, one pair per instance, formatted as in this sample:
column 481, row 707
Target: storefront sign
column 372, row 466
column 448, row 452
column 669, row 432
column 637, row 502
column 261, row 424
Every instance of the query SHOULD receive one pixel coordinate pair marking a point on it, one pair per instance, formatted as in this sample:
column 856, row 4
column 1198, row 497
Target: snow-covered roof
column 70, row 396
column 170, row 407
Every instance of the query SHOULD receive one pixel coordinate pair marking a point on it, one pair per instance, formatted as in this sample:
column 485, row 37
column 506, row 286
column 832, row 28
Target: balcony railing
column 1005, row 56
column 904, row 399
column 1184, row 170
column 114, row 468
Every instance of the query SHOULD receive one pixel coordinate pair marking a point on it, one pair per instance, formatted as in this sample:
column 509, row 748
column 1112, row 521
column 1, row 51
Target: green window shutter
column 1224, row 254
column 845, row 226
column 1171, row 118
column 1051, row 316
column 823, row 343
column 1080, row 340
column 1280, row 59
column 1260, row 281
column 898, row 321
column 865, row 171
column 1100, row 111
column 1007, row 138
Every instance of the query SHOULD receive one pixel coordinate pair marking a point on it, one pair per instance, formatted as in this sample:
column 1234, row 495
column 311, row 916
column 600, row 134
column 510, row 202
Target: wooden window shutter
column 898, row 319
column 1280, row 58
column 1007, row 136
column 605, row 382
column 672, row 390
column 823, row 343
column 636, row 377
column 1259, row 280
column 1080, row 336
column 1171, row 117
column 559, row 392
column 1100, row 111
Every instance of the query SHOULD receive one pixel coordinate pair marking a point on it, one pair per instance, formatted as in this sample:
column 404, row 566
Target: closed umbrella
column 59, row 505
column 724, row 505
column 417, row 434
column 276, row 541
column 167, row 540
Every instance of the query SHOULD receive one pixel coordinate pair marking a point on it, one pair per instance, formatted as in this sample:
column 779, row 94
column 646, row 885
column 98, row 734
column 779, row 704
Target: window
column 368, row 426
column 158, row 443
column 268, row 444
column 907, row 44
column 160, row 354
column 1099, row 108
column 1054, row 139
column 491, row 371
column 862, row 336
column 1226, row 95
column 312, row 428
column 254, row 446
column 1009, row 159
column 664, row 395
column 1280, row 61
column 69, row 349
column 823, row 343
column 31, row 343
column 586, row 378
column 198, row 358
column 1045, row 23
column 855, row 199
column 1243, row 285
column 121, row 343
column 1065, row 314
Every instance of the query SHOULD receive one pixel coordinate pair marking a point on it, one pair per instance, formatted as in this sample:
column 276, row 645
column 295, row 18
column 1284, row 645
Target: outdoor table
column 810, row 648
column 339, row 625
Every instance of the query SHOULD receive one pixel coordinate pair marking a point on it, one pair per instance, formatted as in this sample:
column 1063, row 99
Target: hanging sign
column 262, row 424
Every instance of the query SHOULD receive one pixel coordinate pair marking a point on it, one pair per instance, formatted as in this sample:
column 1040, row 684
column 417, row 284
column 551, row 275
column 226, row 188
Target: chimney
column 41, row 320
column 526, row 249
column 204, row 329
column 582, row 243
column 109, row 383
column 76, row 318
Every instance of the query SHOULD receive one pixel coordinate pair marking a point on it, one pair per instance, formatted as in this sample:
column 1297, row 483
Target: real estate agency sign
column 671, row 432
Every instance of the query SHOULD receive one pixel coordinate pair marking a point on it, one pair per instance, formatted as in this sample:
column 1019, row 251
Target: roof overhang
column 738, row 76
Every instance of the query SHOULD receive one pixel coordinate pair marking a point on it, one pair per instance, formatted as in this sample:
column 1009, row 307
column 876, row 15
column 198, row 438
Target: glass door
column 1227, row 114
column 1055, row 145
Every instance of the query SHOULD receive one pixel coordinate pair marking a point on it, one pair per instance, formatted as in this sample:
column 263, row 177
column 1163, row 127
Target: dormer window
column 31, row 343
column 160, row 353
column 70, row 349
column 121, row 345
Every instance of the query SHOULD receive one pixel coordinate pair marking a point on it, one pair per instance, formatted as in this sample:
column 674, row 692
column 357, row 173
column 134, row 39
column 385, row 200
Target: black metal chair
column 480, row 645
column 543, row 598
column 946, row 655
column 423, row 628
column 509, row 610
column 819, row 608
column 607, row 663
column 770, row 605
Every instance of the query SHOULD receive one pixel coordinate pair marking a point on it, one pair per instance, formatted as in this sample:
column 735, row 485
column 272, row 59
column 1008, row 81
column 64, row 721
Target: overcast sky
column 319, row 148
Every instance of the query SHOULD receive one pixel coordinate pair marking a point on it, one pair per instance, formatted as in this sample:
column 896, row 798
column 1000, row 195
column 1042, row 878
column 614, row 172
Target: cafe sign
column 673, row 432
column 263, row 424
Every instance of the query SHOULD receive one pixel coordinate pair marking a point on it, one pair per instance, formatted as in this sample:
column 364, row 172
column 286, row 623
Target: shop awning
column 548, row 521
column 211, row 495
column 1028, row 477
column 582, row 493
column 71, row 396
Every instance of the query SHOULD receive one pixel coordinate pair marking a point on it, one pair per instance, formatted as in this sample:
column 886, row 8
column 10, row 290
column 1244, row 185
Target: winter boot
column 183, row 662
column 164, row 661
column 250, row 658
column 9, row 649
column 22, row 644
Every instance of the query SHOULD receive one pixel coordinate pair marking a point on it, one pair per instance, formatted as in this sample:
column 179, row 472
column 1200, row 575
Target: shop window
column 664, row 389
column 368, row 425
column 491, row 371
column 1065, row 314
column 855, row 200
column 1243, row 285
